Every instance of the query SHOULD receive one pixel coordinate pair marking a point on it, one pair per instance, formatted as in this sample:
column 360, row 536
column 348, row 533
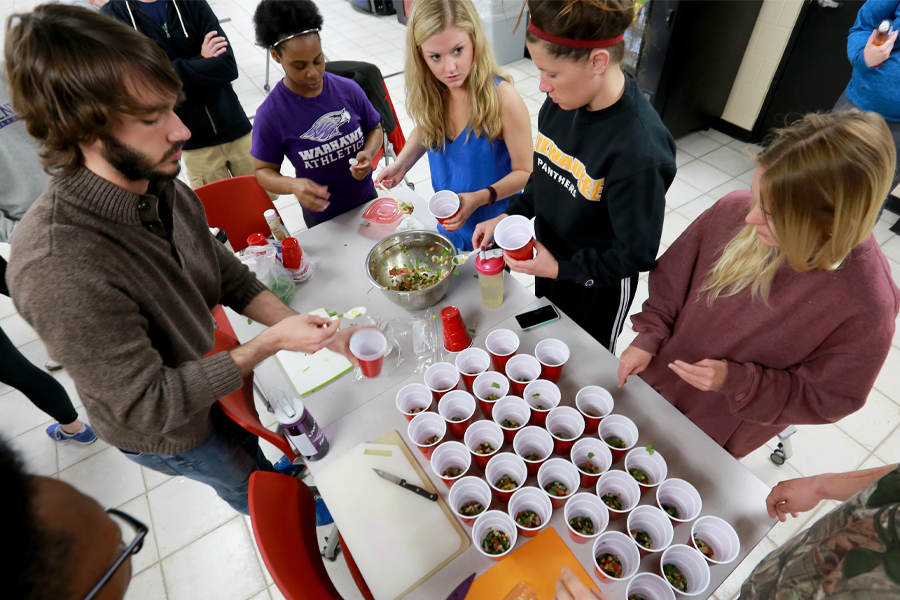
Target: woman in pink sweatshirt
column 776, row 307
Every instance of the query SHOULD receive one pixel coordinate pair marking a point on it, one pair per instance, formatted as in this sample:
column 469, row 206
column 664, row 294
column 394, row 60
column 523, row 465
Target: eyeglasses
column 133, row 547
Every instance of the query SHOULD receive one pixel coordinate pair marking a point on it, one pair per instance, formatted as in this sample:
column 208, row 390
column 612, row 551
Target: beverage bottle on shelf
column 881, row 35
column 279, row 232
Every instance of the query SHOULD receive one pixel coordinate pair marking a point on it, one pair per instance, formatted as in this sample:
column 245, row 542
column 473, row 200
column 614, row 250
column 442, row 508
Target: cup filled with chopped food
column 592, row 458
column 458, row 409
column 413, row 399
column 488, row 388
column 647, row 466
column 553, row 355
column 451, row 461
column 369, row 346
column 679, row 499
column 443, row 205
column 530, row 509
column 586, row 517
column 522, row 369
column 648, row 586
column 534, row 445
column 615, row 557
column 716, row 540
column 619, row 433
column 566, row 425
column 650, row 528
column 559, row 480
column 511, row 413
column 426, row 431
column 542, row 396
column 469, row 497
column 685, row 569
column 494, row 534
column 502, row 345
column 619, row 492
column 441, row 378
column 471, row 363
column 505, row 473
column 483, row 439
column 594, row 403
column 516, row 236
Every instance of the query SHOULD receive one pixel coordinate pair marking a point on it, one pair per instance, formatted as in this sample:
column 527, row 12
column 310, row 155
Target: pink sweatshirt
column 810, row 356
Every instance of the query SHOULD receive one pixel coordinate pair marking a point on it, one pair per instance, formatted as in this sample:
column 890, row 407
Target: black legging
column 17, row 371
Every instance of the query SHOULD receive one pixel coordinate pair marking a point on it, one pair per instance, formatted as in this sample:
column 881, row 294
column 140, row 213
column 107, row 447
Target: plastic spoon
column 403, row 207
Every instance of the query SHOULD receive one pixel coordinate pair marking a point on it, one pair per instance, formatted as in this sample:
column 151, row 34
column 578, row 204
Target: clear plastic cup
column 369, row 346
column 511, row 408
column 653, row 521
column 458, row 409
column 594, row 451
column 483, row 432
column 505, row 463
column 649, row 586
column 682, row 496
column 414, row 396
column 502, row 345
column 450, row 455
column 533, row 441
column 558, row 469
column 494, row 520
column 721, row 538
column 566, row 425
column 469, row 489
column 425, row 426
column 586, row 505
column 515, row 235
column 471, row 363
column 619, row 545
column 489, row 384
column 651, row 463
column 594, row 403
column 441, row 378
column 692, row 565
column 524, row 367
column 443, row 205
column 553, row 355
column 530, row 498
column 541, row 393
column 620, row 427
column 623, row 485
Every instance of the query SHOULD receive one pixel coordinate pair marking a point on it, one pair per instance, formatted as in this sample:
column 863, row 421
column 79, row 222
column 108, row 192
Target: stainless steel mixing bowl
column 401, row 250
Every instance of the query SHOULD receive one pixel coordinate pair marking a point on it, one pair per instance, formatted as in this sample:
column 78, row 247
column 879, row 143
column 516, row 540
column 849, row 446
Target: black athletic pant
column 601, row 311
column 17, row 371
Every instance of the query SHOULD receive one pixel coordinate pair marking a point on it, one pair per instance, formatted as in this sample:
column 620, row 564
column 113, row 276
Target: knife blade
column 402, row 483
column 460, row 592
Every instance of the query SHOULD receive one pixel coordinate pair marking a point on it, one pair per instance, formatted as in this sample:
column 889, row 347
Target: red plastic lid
column 257, row 239
column 491, row 266
column 383, row 211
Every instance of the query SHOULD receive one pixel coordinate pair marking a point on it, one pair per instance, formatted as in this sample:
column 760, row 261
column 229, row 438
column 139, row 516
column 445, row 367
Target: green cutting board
column 309, row 372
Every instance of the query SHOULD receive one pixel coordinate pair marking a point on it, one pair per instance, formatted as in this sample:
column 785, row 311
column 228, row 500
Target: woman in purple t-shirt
column 318, row 120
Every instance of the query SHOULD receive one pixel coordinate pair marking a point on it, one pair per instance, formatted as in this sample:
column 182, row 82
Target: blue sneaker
column 284, row 467
column 85, row 436
column 323, row 516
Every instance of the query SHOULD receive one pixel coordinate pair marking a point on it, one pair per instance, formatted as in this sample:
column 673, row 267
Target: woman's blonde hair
column 823, row 184
column 426, row 96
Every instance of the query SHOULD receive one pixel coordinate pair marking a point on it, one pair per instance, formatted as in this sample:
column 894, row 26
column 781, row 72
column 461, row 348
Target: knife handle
column 418, row 490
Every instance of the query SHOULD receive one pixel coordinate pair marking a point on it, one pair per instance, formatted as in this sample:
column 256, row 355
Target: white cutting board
column 396, row 537
column 309, row 372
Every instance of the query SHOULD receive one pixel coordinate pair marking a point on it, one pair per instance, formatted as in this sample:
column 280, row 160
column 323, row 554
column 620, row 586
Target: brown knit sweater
column 121, row 295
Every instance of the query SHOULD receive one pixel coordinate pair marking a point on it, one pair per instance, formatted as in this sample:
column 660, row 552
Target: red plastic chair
column 236, row 206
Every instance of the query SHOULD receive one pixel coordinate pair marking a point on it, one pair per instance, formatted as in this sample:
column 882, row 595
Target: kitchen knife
column 402, row 483
column 463, row 589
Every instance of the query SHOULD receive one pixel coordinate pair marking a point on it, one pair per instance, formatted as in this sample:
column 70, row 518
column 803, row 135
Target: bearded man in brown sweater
column 114, row 265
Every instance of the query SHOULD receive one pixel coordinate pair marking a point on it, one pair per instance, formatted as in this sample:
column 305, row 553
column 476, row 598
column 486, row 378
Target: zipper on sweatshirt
column 211, row 122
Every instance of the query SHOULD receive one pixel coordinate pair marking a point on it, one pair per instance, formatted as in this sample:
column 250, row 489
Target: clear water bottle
column 299, row 426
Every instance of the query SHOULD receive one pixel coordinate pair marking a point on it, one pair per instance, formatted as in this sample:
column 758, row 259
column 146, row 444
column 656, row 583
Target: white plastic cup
column 614, row 542
column 655, row 522
column 653, row 465
column 681, row 495
column 425, row 426
column 501, row 344
column 511, row 408
column 567, row 422
column 489, row 384
column 413, row 396
column 441, row 378
column 558, row 469
column 525, row 367
column 505, row 463
column 586, row 505
column 480, row 432
column 621, row 427
column 457, row 408
column 471, row 363
column 530, row 498
column 369, row 346
column 691, row 563
column 537, row 440
column 469, row 489
column 498, row 521
column 721, row 538
column 541, row 393
column 650, row 586
column 553, row 355
column 443, row 205
column 595, row 451
column 450, row 454
column 594, row 403
column 622, row 485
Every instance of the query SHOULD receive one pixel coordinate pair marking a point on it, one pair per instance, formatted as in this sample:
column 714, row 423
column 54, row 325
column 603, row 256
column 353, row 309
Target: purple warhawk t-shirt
column 319, row 136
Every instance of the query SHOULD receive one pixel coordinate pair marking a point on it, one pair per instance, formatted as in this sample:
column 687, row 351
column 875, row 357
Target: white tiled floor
column 199, row 548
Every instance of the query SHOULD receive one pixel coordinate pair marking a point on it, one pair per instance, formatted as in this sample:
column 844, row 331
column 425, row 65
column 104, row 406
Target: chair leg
column 784, row 450
column 258, row 389
column 331, row 548
column 266, row 86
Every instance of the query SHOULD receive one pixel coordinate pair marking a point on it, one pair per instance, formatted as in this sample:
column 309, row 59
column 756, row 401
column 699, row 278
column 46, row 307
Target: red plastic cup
column 471, row 363
column 505, row 463
column 720, row 536
column 441, row 378
column 256, row 239
column 586, row 505
column 524, row 367
column 682, row 496
column 566, row 425
column 489, row 384
column 533, row 440
column 594, row 451
column 369, row 346
column 650, row 585
column 515, row 235
column 450, row 455
column 501, row 344
column 413, row 397
column 541, row 393
column 594, row 403
column 456, row 336
column 692, row 563
column 469, row 489
column 623, row 485
column 457, row 408
column 652, row 464
column 423, row 428
column 511, row 408
column 479, row 433
column 494, row 520
column 657, row 525
column 552, row 354
column 618, row 544
column 291, row 253
column 444, row 205
column 620, row 427
column 558, row 469
column 530, row 498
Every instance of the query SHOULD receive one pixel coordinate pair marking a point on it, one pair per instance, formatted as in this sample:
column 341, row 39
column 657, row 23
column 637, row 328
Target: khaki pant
column 214, row 163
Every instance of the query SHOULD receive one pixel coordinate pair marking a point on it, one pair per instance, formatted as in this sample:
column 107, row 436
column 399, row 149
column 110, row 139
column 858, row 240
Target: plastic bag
column 521, row 592
column 409, row 222
column 263, row 261
column 414, row 343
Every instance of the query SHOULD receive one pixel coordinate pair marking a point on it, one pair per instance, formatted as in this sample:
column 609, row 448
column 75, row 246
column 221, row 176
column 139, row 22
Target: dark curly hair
column 277, row 19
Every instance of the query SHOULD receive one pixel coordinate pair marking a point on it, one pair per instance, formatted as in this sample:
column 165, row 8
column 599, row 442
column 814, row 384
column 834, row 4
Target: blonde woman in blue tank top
column 469, row 118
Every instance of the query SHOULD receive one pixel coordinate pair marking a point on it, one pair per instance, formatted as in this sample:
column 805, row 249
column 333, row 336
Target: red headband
column 570, row 43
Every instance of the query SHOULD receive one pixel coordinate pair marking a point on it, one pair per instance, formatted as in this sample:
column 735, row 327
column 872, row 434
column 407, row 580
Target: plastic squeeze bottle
column 881, row 35
column 279, row 232
column 490, row 277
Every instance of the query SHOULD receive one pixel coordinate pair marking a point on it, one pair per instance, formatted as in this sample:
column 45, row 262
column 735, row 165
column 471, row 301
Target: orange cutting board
column 538, row 563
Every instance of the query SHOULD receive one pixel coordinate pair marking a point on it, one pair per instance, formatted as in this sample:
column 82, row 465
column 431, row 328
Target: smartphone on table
column 539, row 316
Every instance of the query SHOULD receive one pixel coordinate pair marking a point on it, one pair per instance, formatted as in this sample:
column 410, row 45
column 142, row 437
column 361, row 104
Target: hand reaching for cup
column 569, row 587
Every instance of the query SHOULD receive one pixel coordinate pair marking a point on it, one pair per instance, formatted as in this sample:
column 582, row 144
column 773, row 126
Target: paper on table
column 308, row 372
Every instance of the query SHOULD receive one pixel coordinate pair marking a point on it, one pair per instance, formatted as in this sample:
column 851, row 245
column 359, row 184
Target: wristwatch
column 493, row 193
